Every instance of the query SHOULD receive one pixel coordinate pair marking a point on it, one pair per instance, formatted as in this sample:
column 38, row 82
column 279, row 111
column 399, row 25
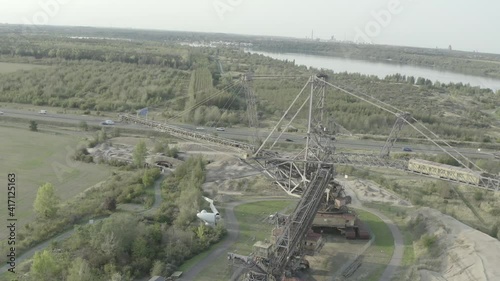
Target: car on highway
column 200, row 128
column 289, row 140
column 107, row 122
column 221, row 129
column 43, row 111
column 407, row 149
column 1, row 112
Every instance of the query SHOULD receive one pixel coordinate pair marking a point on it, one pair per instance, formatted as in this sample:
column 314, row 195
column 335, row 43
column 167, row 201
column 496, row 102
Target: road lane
column 246, row 134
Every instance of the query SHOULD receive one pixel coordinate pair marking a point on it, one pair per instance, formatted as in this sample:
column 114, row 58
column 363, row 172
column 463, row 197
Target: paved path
column 65, row 235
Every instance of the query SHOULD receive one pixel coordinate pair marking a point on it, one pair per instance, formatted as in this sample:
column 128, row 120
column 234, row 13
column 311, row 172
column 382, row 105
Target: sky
column 465, row 25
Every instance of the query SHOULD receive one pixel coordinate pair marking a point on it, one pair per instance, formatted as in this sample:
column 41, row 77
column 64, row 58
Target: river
column 382, row 69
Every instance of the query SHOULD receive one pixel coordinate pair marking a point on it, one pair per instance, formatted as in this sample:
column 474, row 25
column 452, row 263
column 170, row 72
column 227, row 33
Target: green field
column 380, row 253
column 6, row 67
column 39, row 157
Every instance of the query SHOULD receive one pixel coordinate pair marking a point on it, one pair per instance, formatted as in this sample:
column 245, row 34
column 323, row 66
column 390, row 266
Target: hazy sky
column 466, row 25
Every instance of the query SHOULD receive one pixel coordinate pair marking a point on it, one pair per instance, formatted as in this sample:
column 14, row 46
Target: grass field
column 39, row 157
column 380, row 253
column 252, row 229
column 399, row 215
column 6, row 67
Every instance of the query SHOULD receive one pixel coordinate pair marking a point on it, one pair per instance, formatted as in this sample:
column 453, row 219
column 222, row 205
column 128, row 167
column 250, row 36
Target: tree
column 158, row 268
column 33, row 126
column 495, row 231
column 139, row 154
column 109, row 204
column 161, row 146
column 45, row 267
column 420, row 81
column 117, row 277
column 83, row 126
column 46, row 201
column 149, row 176
column 116, row 132
column 80, row 271
column 102, row 136
column 173, row 152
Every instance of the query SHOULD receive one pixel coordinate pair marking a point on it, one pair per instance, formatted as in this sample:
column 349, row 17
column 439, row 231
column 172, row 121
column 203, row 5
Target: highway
column 245, row 134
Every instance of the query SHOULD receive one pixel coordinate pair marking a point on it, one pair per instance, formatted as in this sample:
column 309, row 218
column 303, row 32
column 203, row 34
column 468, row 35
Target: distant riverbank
column 381, row 69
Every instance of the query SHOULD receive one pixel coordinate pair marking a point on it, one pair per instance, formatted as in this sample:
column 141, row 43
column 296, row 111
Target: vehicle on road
column 407, row 149
column 289, row 140
column 1, row 112
column 200, row 128
column 43, row 111
column 220, row 129
column 108, row 122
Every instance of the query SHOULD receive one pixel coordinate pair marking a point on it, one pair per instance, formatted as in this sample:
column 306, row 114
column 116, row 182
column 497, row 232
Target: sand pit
column 368, row 191
column 466, row 254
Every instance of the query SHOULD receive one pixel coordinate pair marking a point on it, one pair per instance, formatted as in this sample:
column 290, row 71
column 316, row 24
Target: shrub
column 495, row 212
column 109, row 204
column 173, row 152
column 478, row 195
column 33, row 126
column 84, row 126
column 428, row 240
column 149, row 177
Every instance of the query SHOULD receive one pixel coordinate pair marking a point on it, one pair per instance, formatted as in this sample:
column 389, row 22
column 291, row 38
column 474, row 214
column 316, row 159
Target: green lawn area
column 39, row 157
column 190, row 263
column 398, row 216
column 252, row 228
column 6, row 67
column 380, row 253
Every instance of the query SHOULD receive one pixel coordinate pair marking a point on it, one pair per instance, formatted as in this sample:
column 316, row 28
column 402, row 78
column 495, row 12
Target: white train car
column 444, row 171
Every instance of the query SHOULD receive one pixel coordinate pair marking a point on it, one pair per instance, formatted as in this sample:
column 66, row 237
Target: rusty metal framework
column 309, row 173
column 290, row 173
column 401, row 120
column 188, row 134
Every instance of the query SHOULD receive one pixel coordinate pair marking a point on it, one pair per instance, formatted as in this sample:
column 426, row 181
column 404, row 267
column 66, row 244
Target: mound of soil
column 467, row 254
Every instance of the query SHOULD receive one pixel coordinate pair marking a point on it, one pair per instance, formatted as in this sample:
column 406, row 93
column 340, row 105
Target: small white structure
column 157, row 278
column 210, row 219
